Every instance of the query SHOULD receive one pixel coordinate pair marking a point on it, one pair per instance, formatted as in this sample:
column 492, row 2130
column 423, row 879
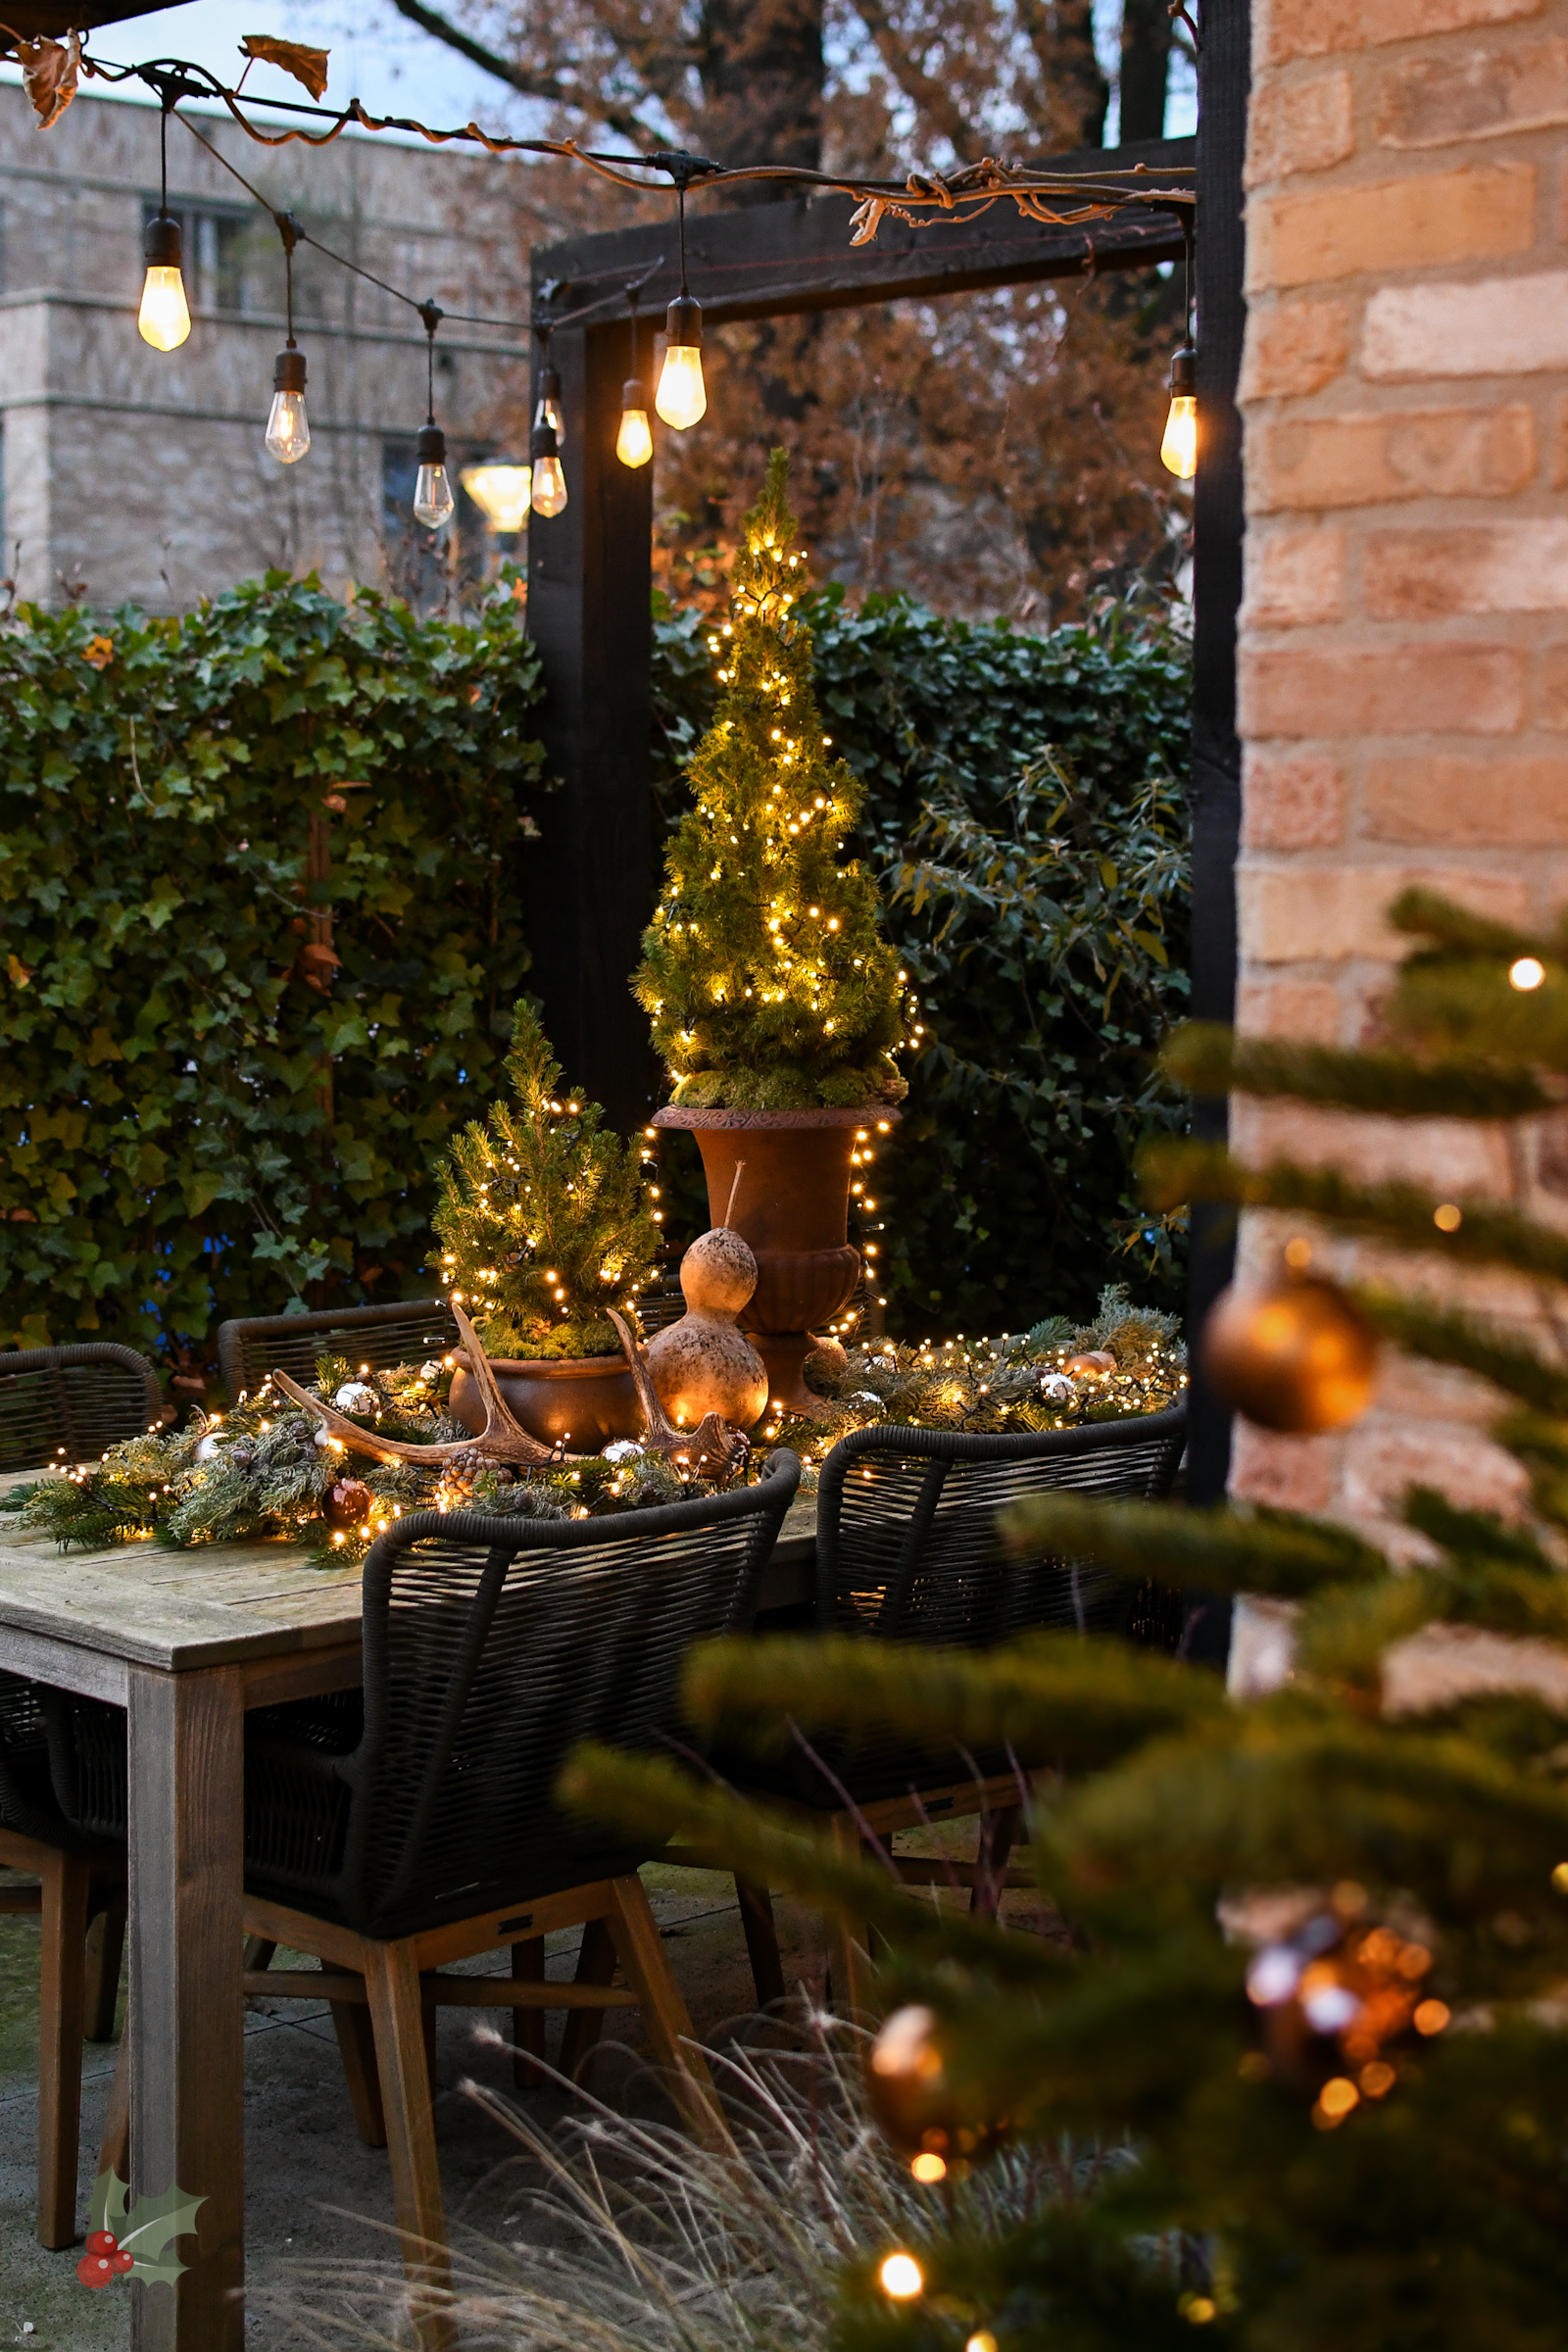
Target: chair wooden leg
column 62, row 1986
column 665, row 2013
column 761, row 1942
column 997, row 1835
column 596, row 1965
column 259, row 1954
column 106, row 1945
column 114, row 2151
column 397, row 2011
column 528, row 2024
column 848, row 1941
column 356, row 2043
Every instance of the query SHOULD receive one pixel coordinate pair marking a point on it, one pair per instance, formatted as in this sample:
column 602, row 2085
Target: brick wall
column 1404, row 635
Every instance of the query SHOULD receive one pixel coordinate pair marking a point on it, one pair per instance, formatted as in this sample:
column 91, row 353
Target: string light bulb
column 288, row 428
column 501, row 490
column 634, row 442
column 164, row 319
column 433, row 501
column 1178, row 451
column 682, row 397
column 549, row 486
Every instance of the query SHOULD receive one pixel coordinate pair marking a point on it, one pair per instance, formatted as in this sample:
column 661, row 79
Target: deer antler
column 711, row 1450
column 502, row 1437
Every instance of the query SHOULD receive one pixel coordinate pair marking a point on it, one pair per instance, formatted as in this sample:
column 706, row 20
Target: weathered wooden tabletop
column 186, row 1642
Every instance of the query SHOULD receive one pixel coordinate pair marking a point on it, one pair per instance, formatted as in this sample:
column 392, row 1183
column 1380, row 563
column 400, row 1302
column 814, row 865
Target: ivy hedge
column 202, row 1114
column 1026, row 810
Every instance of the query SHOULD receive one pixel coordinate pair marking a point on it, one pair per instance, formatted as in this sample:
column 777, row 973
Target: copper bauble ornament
column 348, row 1503
column 913, row 2098
column 828, row 1357
column 1295, row 1355
column 705, row 1363
column 1095, row 1363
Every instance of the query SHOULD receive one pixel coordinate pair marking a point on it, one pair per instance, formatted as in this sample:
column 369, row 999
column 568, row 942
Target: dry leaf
column 99, row 651
column 306, row 64
column 49, row 76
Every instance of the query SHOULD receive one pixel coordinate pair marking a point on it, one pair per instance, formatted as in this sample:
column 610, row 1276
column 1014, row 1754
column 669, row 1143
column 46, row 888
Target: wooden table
column 186, row 1642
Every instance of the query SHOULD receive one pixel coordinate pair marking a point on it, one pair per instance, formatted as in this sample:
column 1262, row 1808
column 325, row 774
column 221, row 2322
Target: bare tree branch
column 532, row 85
column 934, row 97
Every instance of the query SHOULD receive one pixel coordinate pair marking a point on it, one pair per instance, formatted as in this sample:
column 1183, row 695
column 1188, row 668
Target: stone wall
column 1404, row 648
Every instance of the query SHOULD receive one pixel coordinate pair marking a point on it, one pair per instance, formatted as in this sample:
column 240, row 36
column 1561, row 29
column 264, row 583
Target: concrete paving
column 313, row 2192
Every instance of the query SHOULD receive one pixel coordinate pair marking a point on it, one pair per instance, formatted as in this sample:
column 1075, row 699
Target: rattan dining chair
column 415, row 1823
column 908, row 1549
column 404, row 1331
column 66, row 1404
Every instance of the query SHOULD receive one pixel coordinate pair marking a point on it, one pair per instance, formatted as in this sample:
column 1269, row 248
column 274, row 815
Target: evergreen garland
column 541, row 1217
column 764, row 971
column 1313, row 1988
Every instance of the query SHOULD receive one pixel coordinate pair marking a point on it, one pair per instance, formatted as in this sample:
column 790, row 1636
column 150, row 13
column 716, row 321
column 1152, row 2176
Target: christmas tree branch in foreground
column 1313, row 2005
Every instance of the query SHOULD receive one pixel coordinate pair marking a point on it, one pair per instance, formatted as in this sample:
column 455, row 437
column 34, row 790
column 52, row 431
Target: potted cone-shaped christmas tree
column 775, row 1001
column 543, row 1225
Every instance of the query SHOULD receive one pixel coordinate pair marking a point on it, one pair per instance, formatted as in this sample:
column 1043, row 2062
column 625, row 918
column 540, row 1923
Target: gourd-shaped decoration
column 705, row 1363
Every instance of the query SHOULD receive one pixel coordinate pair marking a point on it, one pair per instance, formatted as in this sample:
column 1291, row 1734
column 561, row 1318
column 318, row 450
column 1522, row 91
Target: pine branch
column 1209, row 1058
column 1227, row 1550
column 1054, row 1696
column 1447, row 1337
column 1429, row 915
column 644, row 1796
column 1175, row 1169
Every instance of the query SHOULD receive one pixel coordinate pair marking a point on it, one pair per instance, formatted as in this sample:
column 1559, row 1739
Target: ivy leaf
column 308, row 65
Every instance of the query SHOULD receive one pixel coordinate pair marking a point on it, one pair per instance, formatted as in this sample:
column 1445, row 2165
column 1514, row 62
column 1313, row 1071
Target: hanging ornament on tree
column 913, row 2100
column 348, row 1501
column 705, row 1363
column 1334, row 1999
column 1294, row 1355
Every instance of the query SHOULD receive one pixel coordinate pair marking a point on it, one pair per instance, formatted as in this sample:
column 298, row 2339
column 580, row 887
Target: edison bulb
column 548, row 485
column 548, row 410
column 1178, row 452
column 164, row 319
column 634, row 443
column 288, row 428
column 433, row 501
column 682, row 397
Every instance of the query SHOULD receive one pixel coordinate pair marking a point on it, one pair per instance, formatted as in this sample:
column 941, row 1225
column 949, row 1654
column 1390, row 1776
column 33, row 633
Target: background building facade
column 129, row 472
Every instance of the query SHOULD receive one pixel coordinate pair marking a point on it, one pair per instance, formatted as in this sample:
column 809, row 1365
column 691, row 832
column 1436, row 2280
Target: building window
column 215, row 244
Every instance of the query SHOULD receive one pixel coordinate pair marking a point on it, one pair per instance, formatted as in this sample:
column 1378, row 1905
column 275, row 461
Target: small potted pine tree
column 775, row 1002
column 543, row 1225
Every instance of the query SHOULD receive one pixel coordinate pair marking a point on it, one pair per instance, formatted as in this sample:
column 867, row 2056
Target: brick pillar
column 1404, row 639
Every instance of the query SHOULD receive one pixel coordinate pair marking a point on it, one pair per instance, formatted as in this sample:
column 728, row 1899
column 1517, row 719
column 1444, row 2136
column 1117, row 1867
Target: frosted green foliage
column 543, row 1220
column 765, row 971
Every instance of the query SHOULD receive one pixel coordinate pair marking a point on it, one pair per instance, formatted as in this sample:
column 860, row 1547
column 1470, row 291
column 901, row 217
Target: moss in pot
column 543, row 1223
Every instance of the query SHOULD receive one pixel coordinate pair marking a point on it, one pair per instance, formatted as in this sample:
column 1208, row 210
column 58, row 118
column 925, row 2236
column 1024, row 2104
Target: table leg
column 187, row 2076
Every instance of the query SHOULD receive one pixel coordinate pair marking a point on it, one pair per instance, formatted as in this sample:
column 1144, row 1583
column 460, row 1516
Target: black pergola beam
column 590, row 569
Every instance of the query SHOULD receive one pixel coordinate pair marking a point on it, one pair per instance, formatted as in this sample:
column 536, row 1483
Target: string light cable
column 1040, row 195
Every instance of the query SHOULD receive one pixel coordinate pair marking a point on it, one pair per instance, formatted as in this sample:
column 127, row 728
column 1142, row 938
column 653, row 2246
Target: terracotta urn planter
column 584, row 1401
column 793, row 1209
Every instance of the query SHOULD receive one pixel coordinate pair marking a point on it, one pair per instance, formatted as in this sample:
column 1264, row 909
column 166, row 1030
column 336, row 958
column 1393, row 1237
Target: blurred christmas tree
column 1305, row 2056
column 765, row 971
column 543, row 1218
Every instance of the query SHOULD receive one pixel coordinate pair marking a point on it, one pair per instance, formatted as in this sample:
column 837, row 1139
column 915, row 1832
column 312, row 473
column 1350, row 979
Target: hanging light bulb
column 682, row 398
column 549, row 487
column 164, row 319
column 548, row 410
column 1179, row 449
column 634, row 443
column 433, row 501
column 500, row 488
column 288, row 428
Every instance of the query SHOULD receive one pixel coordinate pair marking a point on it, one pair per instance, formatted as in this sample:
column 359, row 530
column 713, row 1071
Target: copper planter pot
column 584, row 1401
column 793, row 1208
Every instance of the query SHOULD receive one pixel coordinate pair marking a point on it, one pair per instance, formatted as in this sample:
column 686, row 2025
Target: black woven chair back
column 908, row 1549
column 69, row 1403
column 406, row 1330
column 27, row 1792
column 492, row 1646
